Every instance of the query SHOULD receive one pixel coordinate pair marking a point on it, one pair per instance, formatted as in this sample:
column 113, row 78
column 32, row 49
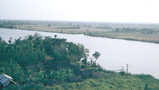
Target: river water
column 141, row 57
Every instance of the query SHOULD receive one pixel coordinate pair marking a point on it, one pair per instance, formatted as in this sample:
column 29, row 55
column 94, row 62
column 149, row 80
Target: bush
column 34, row 87
column 12, row 69
column 122, row 73
column 62, row 74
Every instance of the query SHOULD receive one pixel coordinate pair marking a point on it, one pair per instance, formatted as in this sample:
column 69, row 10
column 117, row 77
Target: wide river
column 142, row 57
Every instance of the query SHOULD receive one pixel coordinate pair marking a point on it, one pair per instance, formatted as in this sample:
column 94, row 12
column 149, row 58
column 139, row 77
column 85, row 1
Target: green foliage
column 104, row 27
column 34, row 87
column 122, row 73
column 12, row 69
column 32, row 50
column 126, row 30
column 146, row 87
column 147, row 31
column 62, row 74
column 133, row 30
column 64, row 51
column 7, row 26
column 69, row 27
column 145, row 77
column 76, row 52
column 11, row 87
column 96, row 55
column 24, row 52
column 111, row 83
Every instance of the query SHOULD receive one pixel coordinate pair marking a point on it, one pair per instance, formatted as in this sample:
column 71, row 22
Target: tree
column 10, row 40
column 49, row 25
column 96, row 55
column 146, row 87
column 55, row 36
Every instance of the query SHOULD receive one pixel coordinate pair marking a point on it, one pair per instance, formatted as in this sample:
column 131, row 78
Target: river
column 141, row 57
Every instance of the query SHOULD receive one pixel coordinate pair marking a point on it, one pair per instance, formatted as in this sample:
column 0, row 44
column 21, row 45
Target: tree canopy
column 96, row 55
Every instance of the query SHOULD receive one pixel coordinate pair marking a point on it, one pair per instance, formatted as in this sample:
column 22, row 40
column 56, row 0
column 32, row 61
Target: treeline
column 127, row 30
column 133, row 30
column 148, row 31
column 104, row 27
column 7, row 26
column 68, row 27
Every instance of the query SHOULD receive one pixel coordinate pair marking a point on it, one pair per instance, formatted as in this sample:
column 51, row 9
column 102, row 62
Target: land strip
column 137, row 32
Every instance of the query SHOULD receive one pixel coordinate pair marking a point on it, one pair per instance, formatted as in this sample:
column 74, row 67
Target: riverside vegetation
column 46, row 63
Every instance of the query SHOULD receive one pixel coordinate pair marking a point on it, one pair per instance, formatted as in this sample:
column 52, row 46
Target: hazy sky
column 146, row 11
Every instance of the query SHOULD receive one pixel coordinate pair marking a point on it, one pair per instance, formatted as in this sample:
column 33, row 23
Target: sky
column 140, row 11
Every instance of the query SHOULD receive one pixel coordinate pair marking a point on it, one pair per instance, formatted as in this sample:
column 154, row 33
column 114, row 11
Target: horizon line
column 112, row 22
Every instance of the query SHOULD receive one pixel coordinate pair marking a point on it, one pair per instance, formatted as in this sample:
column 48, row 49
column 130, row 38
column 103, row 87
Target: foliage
column 62, row 74
column 13, row 69
column 34, row 87
column 23, row 52
column 96, row 55
column 147, row 31
column 111, row 83
column 25, row 61
column 133, row 30
column 69, row 27
column 126, row 30
column 31, row 51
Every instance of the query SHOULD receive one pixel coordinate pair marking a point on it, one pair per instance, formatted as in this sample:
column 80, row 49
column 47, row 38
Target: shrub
column 12, row 69
column 62, row 74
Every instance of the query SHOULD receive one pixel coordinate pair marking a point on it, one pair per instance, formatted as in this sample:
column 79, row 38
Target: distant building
column 5, row 80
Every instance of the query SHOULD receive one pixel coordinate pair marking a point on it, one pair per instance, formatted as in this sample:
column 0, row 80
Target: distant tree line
column 126, row 30
column 69, row 27
column 148, row 31
column 104, row 27
column 7, row 26
column 132, row 30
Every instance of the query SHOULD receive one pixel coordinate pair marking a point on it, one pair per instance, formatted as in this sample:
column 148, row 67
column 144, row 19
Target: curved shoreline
column 34, row 31
column 106, row 36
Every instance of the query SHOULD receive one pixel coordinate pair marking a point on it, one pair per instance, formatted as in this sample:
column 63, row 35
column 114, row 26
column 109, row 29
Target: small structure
column 5, row 80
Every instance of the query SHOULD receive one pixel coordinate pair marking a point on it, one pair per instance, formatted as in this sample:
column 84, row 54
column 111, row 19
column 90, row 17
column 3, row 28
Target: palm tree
column 96, row 55
column 55, row 36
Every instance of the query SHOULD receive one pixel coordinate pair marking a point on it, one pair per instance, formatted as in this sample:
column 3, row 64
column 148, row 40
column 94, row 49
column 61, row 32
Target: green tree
column 96, row 55
column 55, row 36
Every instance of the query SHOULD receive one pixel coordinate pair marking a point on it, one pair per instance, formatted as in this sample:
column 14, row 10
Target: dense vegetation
column 46, row 63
